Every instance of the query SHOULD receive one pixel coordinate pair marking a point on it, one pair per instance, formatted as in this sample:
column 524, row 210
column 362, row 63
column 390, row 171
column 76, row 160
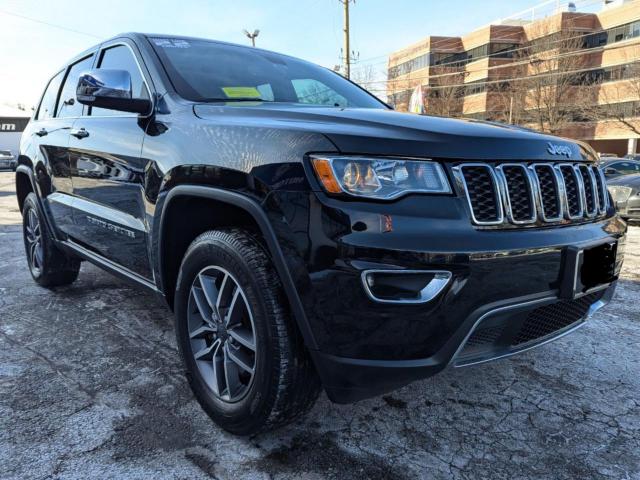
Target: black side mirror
column 610, row 172
column 110, row 89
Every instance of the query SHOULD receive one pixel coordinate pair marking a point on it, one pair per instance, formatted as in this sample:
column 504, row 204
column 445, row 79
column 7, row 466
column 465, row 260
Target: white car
column 7, row 160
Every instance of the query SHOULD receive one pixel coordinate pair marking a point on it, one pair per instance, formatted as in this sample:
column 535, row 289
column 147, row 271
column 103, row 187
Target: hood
column 387, row 132
column 632, row 181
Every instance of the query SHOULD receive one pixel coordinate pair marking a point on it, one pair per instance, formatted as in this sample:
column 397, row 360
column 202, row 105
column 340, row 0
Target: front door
column 108, row 173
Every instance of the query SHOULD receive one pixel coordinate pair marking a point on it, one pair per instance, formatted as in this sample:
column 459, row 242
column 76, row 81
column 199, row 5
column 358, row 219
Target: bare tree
column 370, row 79
column 445, row 95
column 508, row 102
column 399, row 88
column 552, row 77
column 620, row 102
column 363, row 75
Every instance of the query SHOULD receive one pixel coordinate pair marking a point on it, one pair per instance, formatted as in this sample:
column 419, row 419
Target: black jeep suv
column 306, row 235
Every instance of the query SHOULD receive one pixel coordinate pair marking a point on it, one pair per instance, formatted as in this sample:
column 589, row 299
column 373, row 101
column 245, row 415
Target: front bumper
column 7, row 163
column 630, row 209
column 361, row 347
column 490, row 333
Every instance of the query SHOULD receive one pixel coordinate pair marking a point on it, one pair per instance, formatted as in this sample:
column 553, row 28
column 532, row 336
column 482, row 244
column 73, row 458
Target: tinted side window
column 68, row 106
column 47, row 106
column 625, row 167
column 121, row 58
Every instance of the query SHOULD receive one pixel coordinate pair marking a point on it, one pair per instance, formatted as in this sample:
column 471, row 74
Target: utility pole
column 347, row 47
column 252, row 36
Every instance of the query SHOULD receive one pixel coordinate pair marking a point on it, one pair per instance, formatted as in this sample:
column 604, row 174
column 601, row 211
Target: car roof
column 609, row 161
column 142, row 36
column 632, row 180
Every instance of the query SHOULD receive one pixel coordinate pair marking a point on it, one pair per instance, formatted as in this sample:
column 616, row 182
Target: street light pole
column 252, row 36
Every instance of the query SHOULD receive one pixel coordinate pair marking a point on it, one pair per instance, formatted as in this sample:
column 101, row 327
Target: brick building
column 585, row 63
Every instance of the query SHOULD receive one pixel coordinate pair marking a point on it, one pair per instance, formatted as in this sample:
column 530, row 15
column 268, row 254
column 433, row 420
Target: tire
column 49, row 266
column 282, row 383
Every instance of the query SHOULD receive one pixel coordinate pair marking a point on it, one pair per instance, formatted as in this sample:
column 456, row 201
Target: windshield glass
column 206, row 71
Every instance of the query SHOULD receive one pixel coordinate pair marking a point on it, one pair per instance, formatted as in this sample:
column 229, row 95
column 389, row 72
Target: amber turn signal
column 324, row 171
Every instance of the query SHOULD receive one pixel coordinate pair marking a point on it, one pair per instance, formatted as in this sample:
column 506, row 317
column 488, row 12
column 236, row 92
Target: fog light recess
column 404, row 286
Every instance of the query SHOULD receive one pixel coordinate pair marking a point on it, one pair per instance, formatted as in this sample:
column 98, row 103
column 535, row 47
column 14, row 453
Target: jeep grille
column 534, row 194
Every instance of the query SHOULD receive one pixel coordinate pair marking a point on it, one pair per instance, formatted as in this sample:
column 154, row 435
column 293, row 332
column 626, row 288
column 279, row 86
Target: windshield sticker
column 171, row 43
column 241, row 92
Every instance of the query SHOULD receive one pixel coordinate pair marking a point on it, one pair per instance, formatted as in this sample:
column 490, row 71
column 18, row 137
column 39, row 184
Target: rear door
column 108, row 173
column 50, row 134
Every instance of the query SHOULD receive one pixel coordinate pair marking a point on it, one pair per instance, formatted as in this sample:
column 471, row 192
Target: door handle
column 42, row 132
column 79, row 133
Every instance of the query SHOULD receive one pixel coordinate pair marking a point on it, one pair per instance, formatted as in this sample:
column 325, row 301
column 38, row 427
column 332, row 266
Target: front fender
column 252, row 207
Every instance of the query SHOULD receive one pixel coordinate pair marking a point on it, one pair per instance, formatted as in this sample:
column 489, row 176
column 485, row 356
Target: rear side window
column 68, row 105
column 47, row 106
column 627, row 167
column 121, row 58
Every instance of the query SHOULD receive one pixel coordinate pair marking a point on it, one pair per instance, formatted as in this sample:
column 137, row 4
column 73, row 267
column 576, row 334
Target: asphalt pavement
column 91, row 387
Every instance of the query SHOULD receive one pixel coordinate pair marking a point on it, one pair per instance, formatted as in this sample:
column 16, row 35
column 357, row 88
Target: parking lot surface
column 91, row 387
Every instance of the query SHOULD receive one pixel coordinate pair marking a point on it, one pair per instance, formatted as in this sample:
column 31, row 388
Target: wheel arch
column 25, row 184
column 245, row 212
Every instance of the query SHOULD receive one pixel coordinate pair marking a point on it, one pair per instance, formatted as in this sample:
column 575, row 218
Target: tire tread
column 297, row 383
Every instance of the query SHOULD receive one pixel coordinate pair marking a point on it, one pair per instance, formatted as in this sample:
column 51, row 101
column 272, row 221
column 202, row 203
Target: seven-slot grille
column 519, row 193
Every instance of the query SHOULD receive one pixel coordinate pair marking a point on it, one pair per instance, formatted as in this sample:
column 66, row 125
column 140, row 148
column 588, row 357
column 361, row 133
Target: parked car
column 619, row 166
column 625, row 191
column 605, row 156
column 7, row 160
column 633, row 156
column 306, row 235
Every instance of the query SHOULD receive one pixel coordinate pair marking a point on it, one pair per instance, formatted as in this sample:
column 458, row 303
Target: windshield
column 206, row 71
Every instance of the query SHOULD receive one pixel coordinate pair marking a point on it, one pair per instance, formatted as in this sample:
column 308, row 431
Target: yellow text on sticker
column 241, row 92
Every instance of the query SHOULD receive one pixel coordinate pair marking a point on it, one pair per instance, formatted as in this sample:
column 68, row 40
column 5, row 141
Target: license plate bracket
column 586, row 268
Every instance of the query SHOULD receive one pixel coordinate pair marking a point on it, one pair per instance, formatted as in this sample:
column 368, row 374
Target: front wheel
column 245, row 360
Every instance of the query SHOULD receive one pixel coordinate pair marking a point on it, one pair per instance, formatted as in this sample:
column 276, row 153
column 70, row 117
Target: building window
column 495, row 49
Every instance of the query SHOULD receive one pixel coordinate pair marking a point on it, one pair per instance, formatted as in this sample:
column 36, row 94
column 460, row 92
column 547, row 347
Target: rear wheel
column 245, row 360
column 49, row 266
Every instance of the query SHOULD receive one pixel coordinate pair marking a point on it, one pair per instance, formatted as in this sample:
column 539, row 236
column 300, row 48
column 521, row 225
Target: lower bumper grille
column 546, row 320
column 496, row 337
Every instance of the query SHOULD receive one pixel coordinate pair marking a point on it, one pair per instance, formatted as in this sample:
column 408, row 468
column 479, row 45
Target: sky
column 31, row 50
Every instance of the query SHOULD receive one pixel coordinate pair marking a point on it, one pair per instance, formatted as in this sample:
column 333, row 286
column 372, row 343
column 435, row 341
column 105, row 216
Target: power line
column 513, row 35
column 50, row 24
column 525, row 47
column 572, row 53
column 496, row 54
column 514, row 79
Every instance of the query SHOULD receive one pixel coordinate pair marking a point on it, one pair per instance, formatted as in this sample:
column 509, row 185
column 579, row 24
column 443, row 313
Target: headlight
column 620, row 193
column 382, row 178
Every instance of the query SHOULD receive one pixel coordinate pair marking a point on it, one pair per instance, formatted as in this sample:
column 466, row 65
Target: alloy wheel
column 33, row 236
column 222, row 333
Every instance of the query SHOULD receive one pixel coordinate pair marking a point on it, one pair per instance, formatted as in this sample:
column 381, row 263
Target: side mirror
column 110, row 89
column 609, row 172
